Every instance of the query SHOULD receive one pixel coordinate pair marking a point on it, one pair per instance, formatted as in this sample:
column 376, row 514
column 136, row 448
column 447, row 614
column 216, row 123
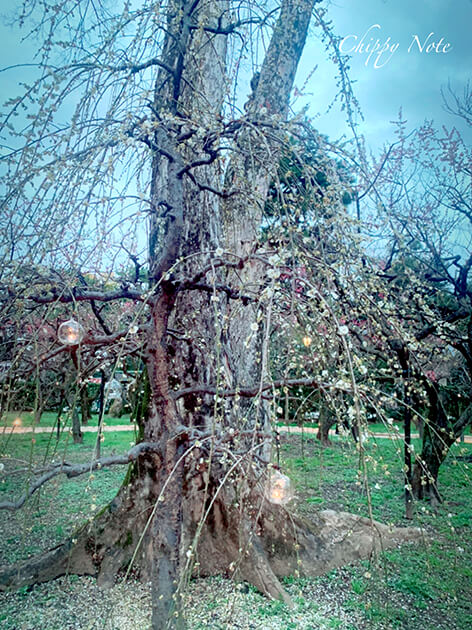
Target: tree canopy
column 165, row 204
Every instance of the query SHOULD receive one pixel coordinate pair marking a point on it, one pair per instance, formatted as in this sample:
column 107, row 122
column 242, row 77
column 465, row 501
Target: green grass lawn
column 49, row 419
column 63, row 504
column 420, row 587
column 425, row 586
column 373, row 427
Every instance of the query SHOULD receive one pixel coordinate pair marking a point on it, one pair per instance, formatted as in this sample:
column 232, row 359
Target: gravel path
column 212, row 603
column 284, row 429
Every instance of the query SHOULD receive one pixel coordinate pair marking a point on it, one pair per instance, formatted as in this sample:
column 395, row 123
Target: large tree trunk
column 214, row 348
column 194, row 500
column 185, row 227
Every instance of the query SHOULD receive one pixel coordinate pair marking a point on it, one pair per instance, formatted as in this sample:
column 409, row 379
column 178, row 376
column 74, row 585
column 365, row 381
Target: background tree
column 424, row 187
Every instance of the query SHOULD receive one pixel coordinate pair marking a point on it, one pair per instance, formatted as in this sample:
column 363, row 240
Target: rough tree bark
column 439, row 434
column 193, row 502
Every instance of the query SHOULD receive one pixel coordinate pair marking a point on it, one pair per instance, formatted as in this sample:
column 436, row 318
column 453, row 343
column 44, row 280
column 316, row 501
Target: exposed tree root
column 282, row 544
column 101, row 547
column 251, row 539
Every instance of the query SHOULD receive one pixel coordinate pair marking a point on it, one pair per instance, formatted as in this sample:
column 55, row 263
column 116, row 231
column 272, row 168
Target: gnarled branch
column 75, row 470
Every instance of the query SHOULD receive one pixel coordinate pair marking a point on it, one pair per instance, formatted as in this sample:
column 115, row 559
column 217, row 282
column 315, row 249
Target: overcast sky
column 408, row 79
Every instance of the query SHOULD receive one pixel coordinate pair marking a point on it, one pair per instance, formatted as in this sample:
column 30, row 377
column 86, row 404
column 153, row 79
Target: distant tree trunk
column 439, row 435
column 403, row 356
column 40, row 401
column 116, row 408
column 59, row 415
column 101, row 413
column 76, row 428
column 326, row 421
column 85, row 406
column 420, row 426
column 407, row 438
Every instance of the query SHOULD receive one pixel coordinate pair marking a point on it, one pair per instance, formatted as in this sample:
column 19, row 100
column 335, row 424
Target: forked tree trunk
column 183, row 508
column 214, row 349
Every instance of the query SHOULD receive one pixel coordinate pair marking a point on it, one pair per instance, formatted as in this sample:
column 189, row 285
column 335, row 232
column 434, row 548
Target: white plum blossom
column 274, row 274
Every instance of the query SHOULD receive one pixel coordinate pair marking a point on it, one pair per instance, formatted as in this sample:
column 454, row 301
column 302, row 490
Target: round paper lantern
column 279, row 488
column 70, row 333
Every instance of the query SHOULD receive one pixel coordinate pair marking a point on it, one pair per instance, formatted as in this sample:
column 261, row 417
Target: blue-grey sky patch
column 408, row 80
column 411, row 80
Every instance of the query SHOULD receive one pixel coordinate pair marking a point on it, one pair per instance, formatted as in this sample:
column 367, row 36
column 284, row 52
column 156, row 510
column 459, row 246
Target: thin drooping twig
column 81, row 294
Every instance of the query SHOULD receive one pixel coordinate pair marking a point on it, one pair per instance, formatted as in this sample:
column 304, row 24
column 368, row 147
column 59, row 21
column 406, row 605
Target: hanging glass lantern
column 306, row 341
column 70, row 333
column 279, row 488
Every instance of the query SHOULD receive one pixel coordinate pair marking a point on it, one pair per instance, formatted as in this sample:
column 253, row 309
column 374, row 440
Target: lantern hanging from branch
column 70, row 333
column 306, row 341
column 279, row 488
